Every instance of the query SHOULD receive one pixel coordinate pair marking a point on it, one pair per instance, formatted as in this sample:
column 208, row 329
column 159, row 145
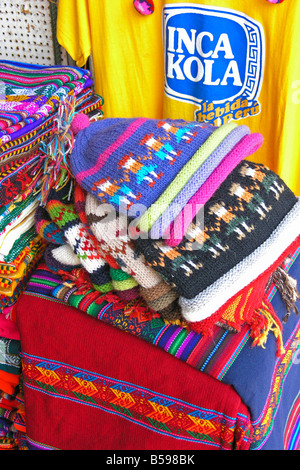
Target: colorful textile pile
column 161, row 227
column 182, row 198
column 171, row 212
column 32, row 94
column 267, row 384
column 30, row 101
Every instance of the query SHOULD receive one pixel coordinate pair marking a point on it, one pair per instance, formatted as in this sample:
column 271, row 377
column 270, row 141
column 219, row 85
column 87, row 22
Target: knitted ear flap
column 124, row 285
column 61, row 258
column 110, row 227
column 46, row 228
column 144, row 7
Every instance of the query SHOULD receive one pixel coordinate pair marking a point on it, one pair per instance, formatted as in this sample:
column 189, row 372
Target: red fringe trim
column 250, row 305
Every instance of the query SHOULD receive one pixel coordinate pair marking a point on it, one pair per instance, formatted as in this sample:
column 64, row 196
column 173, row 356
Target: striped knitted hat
column 127, row 161
column 123, row 284
column 248, row 223
column 131, row 277
column 46, row 228
column 61, row 258
column 238, row 145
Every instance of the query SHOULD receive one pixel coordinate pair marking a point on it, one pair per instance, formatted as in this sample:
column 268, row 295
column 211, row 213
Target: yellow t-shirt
column 207, row 60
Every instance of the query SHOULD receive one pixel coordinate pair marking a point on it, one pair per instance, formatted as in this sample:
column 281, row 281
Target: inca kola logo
column 214, row 58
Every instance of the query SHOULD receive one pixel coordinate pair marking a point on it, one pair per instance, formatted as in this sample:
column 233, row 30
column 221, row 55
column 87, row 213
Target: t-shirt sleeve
column 73, row 29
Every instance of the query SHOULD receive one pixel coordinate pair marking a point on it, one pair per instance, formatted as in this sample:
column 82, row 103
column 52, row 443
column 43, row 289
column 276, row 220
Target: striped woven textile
column 87, row 101
column 32, row 93
column 225, row 355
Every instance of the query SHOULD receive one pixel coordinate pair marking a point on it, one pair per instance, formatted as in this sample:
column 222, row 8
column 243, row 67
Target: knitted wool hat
column 111, row 229
column 127, row 161
column 248, row 223
column 61, row 258
column 247, row 146
column 46, row 228
column 124, row 284
column 183, row 177
column 198, row 179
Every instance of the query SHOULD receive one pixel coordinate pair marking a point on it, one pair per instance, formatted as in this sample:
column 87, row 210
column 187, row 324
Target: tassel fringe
column 261, row 317
column 263, row 322
column 54, row 165
column 287, row 286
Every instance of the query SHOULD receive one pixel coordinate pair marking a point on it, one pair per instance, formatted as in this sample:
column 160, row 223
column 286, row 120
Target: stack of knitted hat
column 213, row 225
column 30, row 100
column 77, row 238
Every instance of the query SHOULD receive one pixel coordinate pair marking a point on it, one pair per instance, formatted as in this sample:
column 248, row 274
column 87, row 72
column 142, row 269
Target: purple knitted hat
column 128, row 161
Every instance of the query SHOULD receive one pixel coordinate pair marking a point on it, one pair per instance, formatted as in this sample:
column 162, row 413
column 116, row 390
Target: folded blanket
column 130, row 406
column 8, row 329
column 266, row 383
column 18, row 285
column 33, row 92
column 10, row 360
column 17, row 227
column 24, row 242
column 86, row 101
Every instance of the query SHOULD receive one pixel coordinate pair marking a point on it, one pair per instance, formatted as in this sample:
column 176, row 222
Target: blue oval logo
column 212, row 54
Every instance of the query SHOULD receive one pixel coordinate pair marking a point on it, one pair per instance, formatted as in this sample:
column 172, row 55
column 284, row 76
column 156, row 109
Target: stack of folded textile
column 171, row 215
column 30, row 99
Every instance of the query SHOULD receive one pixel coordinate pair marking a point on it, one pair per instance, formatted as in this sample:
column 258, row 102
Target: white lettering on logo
column 193, row 68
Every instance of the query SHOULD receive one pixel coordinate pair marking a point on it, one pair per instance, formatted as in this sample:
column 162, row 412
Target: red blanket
column 88, row 385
